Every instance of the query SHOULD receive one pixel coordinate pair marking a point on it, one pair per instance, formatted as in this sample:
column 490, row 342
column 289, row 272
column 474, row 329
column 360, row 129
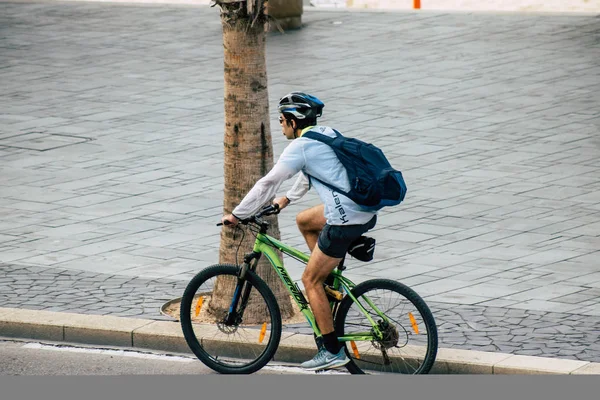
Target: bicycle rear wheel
column 246, row 341
column 409, row 342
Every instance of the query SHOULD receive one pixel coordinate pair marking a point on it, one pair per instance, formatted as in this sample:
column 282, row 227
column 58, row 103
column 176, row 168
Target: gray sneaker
column 326, row 360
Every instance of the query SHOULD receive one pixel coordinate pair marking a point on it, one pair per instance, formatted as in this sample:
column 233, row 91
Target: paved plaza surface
column 111, row 124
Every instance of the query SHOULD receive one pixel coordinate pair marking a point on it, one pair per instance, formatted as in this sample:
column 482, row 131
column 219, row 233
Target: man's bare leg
column 311, row 222
column 318, row 268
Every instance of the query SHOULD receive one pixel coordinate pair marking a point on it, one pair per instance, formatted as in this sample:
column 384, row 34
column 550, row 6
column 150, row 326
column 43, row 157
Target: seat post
column 341, row 265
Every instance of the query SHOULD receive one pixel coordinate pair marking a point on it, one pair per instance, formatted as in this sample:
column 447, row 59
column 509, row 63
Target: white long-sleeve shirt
column 311, row 158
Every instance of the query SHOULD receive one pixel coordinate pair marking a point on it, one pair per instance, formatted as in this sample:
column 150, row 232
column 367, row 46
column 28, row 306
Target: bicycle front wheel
column 238, row 340
column 408, row 335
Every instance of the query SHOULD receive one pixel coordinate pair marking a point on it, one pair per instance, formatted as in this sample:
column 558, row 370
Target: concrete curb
column 294, row 348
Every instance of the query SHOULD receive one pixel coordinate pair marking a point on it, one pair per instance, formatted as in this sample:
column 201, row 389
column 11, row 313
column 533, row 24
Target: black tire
column 418, row 357
column 223, row 347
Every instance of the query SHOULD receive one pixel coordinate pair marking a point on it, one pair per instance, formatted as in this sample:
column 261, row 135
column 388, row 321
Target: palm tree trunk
column 248, row 146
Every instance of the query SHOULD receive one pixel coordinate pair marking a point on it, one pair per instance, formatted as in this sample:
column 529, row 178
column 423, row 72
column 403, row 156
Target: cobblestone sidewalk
column 503, row 330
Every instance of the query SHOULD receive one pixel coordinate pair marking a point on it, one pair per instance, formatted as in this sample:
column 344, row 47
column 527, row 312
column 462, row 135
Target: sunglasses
column 281, row 119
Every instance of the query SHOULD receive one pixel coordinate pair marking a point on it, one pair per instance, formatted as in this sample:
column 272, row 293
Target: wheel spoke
column 400, row 349
column 245, row 343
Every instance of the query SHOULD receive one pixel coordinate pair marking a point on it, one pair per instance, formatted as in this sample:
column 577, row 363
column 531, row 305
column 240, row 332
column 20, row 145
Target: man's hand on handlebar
column 230, row 220
column 282, row 202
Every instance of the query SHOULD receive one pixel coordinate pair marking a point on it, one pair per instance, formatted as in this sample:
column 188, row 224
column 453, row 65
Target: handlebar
column 268, row 210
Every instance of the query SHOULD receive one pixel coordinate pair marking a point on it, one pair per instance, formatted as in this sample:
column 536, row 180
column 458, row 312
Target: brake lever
column 272, row 209
column 266, row 210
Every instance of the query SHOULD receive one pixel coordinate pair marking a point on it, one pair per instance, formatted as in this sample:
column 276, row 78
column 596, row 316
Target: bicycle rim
column 409, row 342
column 239, row 346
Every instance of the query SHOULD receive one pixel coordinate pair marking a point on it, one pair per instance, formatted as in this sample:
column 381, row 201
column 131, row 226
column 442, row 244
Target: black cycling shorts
column 334, row 240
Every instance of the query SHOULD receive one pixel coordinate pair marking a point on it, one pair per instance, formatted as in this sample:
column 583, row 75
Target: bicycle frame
column 266, row 245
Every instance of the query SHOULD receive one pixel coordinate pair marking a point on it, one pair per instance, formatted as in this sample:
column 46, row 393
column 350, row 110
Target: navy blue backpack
column 374, row 183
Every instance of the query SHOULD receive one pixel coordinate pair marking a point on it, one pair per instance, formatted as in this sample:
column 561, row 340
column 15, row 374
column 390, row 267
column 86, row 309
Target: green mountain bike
column 386, row 327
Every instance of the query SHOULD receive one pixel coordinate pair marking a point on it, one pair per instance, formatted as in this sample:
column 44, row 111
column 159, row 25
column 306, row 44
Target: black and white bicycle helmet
column 301, row 105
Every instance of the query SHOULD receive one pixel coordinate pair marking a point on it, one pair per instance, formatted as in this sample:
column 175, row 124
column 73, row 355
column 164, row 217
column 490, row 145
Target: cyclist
column 329, row 228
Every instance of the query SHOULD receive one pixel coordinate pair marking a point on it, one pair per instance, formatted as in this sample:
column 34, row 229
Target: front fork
column 242, row 290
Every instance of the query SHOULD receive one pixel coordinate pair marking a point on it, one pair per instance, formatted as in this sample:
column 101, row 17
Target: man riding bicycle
column 329, row 228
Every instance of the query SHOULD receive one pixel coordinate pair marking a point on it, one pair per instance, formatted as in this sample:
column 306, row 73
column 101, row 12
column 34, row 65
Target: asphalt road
column 48, row 359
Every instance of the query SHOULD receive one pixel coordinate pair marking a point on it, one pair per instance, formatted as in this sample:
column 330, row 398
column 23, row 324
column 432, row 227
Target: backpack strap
column 320, row 137
column 328, row 141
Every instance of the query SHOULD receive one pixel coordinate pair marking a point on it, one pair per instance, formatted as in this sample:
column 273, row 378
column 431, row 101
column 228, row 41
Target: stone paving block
column 411, row 237
column 468, row 245
column 544, row 305
column 440, row 286
column 81, row 201
column 589, row 310
column 414, row 280
column 504, row 253
column 545, row 293
column 98, row 248
column 551, row 256
column 497, row 303
column 456, row 298
column 491, row 290
column 435, row 260
column 431, row 229
column 50, row 259
column 590, row 258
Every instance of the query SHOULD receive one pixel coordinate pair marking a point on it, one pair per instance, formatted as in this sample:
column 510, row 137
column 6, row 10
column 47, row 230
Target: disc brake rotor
column 228, row 328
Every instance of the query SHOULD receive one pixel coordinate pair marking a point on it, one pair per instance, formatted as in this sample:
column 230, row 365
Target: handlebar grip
column 226, row 223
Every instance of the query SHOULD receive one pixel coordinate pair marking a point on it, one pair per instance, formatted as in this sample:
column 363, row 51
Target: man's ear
column 293, row 121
